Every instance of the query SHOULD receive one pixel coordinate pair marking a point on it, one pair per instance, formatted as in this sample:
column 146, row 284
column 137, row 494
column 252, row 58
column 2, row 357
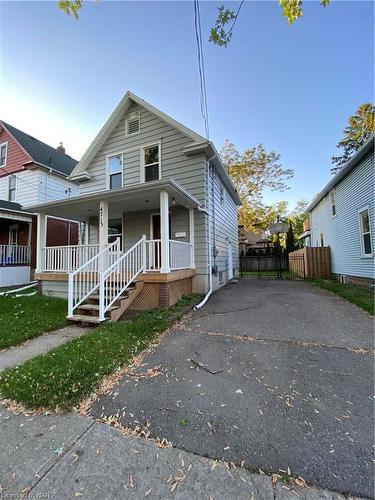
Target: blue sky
column 289, row 87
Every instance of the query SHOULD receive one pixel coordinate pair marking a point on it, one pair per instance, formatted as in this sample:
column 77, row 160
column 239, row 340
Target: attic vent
column 132, row 124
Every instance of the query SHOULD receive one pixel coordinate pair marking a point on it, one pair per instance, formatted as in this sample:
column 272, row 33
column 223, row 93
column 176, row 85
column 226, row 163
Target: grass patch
column 361, row 297
column 62, row 377
column 22, row 318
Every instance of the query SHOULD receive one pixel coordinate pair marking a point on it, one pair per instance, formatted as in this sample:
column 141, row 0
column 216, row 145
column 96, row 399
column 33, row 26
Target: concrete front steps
column 88, row 312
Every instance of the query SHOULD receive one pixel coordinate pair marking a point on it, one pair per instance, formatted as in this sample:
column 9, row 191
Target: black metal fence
column 273, row 267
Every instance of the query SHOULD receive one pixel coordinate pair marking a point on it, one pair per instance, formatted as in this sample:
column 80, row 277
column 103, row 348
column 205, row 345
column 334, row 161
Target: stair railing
column 119, row 276
column 86, row 279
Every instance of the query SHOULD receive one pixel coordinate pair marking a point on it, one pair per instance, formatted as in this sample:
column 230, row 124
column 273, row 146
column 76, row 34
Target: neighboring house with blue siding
column 342, row 216
column 159, row 190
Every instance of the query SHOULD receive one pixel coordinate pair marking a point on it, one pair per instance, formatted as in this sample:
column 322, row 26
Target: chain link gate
column 282, row 266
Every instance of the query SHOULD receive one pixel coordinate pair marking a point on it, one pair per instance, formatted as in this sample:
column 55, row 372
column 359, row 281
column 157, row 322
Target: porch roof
column 135, row 198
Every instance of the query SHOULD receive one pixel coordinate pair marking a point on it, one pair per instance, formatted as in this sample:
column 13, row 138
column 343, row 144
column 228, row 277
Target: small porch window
column 12, row 186
column 3, row 154
column 151, row 162
column 115, row 171
column 365, row 232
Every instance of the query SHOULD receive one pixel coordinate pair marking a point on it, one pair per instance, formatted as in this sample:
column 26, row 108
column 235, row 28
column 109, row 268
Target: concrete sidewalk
column 69, row 456
column 14, row 355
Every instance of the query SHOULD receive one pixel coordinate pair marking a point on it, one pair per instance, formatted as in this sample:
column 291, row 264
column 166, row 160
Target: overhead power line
column 201, row 68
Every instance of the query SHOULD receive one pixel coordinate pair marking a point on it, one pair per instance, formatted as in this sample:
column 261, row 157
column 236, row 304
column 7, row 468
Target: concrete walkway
column 69, row 456
column 12, row 356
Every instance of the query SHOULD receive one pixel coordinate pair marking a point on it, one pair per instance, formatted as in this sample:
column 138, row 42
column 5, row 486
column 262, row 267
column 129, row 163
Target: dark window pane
column 115, row 229
column 3, row 150
column 114, row 164
column 152, row 173
column 115, row 181
column 365, row 222
column 367, row 244
column 333, row 210
column 151, row 155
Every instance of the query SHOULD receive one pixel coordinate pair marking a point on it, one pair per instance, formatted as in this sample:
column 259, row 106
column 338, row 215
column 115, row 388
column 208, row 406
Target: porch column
column 41, row 233
column 103, row 225
column 191, row 237
column 164, row 231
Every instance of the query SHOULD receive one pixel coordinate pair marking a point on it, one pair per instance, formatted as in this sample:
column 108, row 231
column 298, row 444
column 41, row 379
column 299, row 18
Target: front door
column 155, row 257
column 13, row 234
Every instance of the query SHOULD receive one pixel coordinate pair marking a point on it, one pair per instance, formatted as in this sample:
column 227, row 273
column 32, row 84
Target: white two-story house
column 160, row 212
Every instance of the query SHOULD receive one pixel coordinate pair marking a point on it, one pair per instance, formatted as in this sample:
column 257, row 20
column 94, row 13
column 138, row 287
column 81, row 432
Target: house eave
column 346, row 169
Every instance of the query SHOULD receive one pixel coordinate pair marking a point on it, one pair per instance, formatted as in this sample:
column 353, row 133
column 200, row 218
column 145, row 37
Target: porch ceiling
column 127, row 199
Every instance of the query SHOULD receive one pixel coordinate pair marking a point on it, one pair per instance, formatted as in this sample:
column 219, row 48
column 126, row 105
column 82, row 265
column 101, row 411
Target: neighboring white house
column 155, row 197
column 342, row 216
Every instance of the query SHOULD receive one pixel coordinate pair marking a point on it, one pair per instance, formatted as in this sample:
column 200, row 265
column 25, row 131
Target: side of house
column 342, row 216
column 30, row 172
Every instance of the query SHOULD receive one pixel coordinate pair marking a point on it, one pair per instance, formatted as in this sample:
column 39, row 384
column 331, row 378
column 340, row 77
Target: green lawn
column 22, row 318
column 361, row 297
column 62, row 377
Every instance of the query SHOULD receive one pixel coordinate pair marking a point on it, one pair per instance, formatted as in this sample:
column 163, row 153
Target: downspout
column 209, row 291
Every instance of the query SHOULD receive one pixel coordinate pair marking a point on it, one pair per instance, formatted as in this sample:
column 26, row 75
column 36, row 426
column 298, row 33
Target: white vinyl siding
column 342, row 232
column 37, row 186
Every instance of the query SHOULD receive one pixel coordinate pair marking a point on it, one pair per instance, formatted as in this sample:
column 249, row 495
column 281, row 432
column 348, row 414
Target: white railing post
column 144, row 253
column 41, row 241
column 101, row 297
column 70, row 295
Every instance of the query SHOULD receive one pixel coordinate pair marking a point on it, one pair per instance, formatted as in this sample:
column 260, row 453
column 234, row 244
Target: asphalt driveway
column 272, row 374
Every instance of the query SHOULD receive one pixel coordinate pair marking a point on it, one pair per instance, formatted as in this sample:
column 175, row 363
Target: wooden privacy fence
column 317, row 261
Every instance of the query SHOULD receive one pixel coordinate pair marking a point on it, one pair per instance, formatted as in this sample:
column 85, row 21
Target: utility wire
column 201, row 68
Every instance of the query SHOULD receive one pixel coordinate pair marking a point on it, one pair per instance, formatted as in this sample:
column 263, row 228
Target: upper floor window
column 3, row 154
column 132, row 124
column 151, row 162
column 12, row 188
column 115, row 171
column 332, row 197
column 365, row 232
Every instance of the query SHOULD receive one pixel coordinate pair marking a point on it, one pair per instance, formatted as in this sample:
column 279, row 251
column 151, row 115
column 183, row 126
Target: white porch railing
column 86, row 278
column 180, row 255
column 14, row 254
column 67, row 258
column 153, row 255
column 117, row 278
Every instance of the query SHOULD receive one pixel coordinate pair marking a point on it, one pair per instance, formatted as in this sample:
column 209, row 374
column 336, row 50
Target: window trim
column 333, row 192
column 130, row 117
column 15, row 188
column 142, row 160
column 112, row 155
column 5, row 143
column 361, row 233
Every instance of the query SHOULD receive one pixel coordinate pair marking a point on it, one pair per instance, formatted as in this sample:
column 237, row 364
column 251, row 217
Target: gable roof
column 198, row 141
column 41, row 153
column 123, row 106
column 343, row 172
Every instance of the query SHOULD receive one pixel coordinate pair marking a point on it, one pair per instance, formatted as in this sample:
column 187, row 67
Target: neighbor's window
column 333, row 202
column 365, row 232
column 115, row 171
column 152, row 163
column 3, row 154
column 133, row 124
column 12, row 188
